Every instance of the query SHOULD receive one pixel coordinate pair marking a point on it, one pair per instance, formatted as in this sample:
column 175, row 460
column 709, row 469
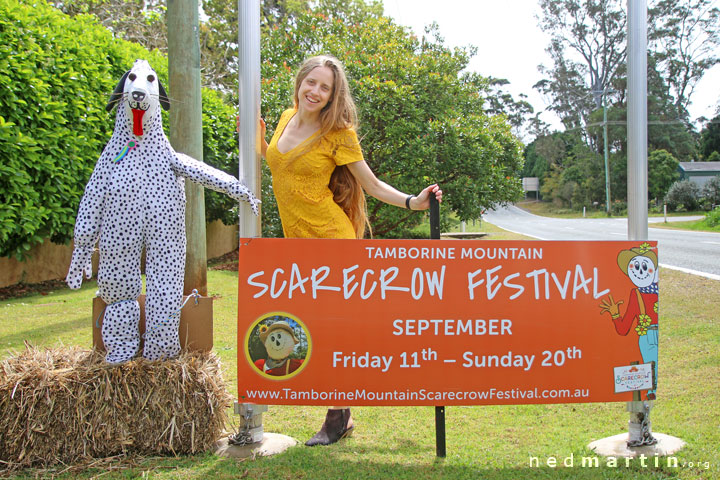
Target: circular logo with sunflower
column 278, row 345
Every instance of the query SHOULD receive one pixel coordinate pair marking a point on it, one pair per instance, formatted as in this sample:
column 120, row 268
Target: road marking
column 711, row 276
column 712, row 243
column 619, row 234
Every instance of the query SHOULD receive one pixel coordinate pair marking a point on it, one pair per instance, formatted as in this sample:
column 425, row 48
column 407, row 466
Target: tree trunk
column 186, row 128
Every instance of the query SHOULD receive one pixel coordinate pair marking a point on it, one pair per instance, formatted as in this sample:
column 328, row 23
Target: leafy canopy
column 56, row 76
column 422, row 118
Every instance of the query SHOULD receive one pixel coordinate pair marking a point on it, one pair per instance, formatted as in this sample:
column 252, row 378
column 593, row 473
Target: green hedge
column 56, row 74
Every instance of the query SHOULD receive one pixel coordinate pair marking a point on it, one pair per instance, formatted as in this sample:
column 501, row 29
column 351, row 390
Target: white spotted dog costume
column 135, row 199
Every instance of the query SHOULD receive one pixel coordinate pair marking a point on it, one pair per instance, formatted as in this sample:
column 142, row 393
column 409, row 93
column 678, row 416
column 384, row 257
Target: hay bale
column 66, row 405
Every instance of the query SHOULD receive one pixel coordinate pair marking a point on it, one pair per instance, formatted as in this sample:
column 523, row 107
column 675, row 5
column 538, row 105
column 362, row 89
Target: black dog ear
column 117, row 94
column 164, row 100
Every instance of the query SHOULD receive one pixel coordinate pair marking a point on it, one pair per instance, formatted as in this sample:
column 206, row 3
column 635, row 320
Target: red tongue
column 137, row 122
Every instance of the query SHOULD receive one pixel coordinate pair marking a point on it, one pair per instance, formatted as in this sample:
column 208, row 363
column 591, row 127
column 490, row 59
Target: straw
column 66, row 405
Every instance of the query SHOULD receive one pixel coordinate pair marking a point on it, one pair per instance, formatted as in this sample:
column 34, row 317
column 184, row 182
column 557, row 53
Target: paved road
column 695, row 252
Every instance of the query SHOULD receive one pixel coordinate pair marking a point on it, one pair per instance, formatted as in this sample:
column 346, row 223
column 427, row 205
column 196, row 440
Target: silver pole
column 608, row 208
column 639, row 426
column 251, row 429
column 249, row 95
column 637, row 120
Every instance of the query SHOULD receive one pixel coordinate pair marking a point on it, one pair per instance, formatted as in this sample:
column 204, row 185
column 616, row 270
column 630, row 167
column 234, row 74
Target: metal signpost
column 251, row 429
column 640, row 431
column 249, row 113
column 439, row 411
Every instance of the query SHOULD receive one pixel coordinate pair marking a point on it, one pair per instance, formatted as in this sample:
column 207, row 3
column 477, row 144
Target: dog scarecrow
column 135, row 199
column 279, row 340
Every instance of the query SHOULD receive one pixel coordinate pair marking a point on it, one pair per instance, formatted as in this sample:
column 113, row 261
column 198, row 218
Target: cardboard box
column 196, row 324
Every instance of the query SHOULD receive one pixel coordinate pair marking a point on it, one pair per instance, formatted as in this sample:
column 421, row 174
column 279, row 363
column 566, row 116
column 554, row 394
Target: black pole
column 439, row 411
column 440, row 432
column 434, row 218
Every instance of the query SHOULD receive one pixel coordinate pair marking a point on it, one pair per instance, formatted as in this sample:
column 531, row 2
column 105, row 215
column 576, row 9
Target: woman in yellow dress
column 320, row 176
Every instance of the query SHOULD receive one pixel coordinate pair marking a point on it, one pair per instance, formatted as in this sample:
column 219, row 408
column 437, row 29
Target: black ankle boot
column 335, row 427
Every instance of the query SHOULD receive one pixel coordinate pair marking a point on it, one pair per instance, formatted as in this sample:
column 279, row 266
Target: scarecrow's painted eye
column 132, row 77
column 151, row 78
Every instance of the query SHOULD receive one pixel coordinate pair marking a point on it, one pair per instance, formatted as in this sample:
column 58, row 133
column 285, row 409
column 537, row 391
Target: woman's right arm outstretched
column 390, row 195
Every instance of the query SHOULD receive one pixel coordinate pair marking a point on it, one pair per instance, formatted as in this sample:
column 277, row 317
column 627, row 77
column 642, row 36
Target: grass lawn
column 698, row 226
column 495, row 442
column 547, row 209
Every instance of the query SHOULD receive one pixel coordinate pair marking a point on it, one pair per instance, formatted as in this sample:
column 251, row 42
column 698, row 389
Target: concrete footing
column 463, row 235
column 616, row 446
column 271, row 444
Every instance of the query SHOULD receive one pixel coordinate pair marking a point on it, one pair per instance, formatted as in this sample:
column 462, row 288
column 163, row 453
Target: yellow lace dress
column 300, row 183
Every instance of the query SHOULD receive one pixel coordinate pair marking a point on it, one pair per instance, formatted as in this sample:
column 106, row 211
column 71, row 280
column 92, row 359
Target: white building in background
column 699, row 172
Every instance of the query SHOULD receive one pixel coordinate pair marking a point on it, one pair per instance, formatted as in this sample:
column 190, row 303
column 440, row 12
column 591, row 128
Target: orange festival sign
column 428, row 322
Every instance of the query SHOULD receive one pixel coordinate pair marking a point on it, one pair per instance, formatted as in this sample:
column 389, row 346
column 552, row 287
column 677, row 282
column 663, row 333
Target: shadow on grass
column 47, row 319
column 43, row 331
column 346, row 462
column 393, row 446
column 339, row 463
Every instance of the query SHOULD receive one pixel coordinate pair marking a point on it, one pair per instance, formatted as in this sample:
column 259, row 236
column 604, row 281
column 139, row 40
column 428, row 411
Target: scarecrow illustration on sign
column 640, row 264
column 279, row 340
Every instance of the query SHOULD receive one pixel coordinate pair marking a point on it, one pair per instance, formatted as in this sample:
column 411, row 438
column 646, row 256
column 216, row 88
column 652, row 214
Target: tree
column 667, row 126
column 568, row 170
column 710, row 138
column 53, row 124
column 219, row 34
column 547, row 151
column 684, row 194
column 219, row 46
column 421, row 116
column 687, row 35
column 141, row 22
column 711, row 192
column 588, row 47
column 662, row 173
column 666, row 131
column 500, row 102
column 594, row 33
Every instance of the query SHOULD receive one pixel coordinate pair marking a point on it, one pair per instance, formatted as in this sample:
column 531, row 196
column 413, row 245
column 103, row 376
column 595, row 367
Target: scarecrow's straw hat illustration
column 644, row 250
column 281, row 325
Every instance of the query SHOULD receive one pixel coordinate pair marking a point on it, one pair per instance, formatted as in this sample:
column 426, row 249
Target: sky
column 511, row 45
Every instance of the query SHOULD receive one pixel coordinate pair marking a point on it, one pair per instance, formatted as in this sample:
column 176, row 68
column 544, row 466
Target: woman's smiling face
column 316, row 90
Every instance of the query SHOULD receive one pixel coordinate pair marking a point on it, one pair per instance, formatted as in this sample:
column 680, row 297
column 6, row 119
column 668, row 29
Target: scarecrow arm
column 623, row 323
column 611, row 306
column 87, row 228
column 212, row 178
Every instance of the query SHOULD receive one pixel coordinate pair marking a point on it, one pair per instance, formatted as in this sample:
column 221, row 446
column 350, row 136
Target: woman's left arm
column 386, row 193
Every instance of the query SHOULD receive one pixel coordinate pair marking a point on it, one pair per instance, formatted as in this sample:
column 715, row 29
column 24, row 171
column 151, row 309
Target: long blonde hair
column 339, row 114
